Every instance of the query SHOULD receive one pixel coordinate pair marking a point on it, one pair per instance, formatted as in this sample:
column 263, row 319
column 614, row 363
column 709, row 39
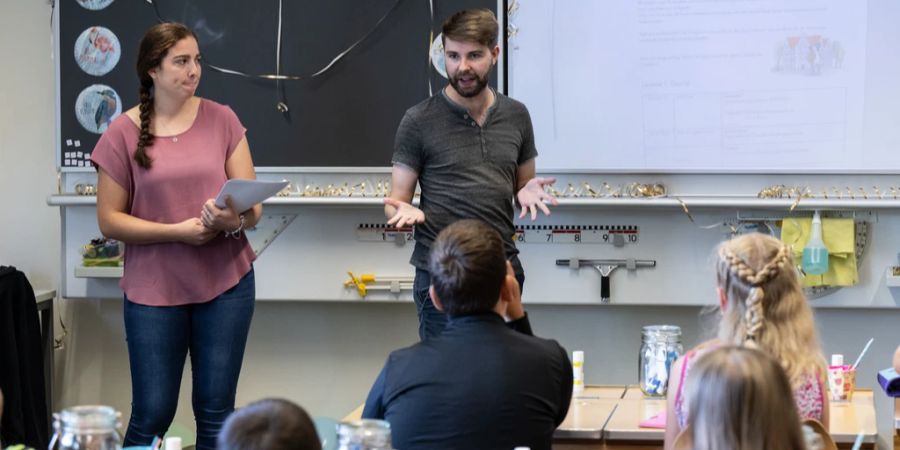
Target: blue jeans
column 431, row 321
column 159, row 338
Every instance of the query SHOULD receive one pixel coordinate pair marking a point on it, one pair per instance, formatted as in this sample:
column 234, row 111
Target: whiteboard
column 756, row 86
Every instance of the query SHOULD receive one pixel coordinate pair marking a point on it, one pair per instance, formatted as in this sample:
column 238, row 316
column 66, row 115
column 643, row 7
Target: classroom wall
column 29, row 231
column 323, row 355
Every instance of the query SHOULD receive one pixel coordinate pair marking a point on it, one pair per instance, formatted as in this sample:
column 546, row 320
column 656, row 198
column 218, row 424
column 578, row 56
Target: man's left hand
column 532, row 196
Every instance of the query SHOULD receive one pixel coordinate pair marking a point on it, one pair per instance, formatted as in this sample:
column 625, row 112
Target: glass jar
column 365, row 434
column 86, row 427
column 660, row 347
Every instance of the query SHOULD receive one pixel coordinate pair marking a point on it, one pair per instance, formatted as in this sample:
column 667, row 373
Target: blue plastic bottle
column 815, row 254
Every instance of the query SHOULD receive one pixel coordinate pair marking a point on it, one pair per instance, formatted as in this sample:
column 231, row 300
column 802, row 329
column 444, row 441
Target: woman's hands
column 224, row 219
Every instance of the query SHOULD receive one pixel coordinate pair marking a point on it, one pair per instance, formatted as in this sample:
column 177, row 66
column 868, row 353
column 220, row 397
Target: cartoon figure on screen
column 188, row 280
column 471, row 151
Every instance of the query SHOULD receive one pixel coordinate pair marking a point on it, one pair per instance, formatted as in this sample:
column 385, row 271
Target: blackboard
column 346, row 117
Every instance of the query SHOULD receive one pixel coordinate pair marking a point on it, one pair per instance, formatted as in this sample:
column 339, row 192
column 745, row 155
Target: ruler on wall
column 618, row 235
column 383, row 232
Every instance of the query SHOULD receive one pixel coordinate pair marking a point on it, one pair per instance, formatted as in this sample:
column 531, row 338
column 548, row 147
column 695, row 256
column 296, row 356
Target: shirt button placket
column 483, row 147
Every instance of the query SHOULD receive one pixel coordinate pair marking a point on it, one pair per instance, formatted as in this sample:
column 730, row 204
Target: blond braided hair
column 756, row 274
column 755, row 314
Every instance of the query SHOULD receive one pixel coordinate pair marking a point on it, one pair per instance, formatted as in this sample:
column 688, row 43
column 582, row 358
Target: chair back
column 326, row 428
column 683, row 440
column 822, row 436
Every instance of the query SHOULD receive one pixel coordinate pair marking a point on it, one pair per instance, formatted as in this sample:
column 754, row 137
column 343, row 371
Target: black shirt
column 479, row 385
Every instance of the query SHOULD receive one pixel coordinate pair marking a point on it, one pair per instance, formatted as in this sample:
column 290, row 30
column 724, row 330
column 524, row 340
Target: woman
column 741, row 400
column 762, row 306
column 188, row 278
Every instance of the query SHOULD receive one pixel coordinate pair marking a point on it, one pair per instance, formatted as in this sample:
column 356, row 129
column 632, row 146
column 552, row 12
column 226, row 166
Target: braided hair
column 765, row 304
column 152, row 50
column 755, row 313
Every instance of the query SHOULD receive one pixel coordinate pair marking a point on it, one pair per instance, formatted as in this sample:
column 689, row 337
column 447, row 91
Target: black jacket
column 478, row 385
column 21, row 364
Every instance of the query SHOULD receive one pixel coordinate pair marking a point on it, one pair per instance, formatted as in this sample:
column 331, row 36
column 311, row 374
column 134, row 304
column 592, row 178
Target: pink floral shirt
column 809, row 396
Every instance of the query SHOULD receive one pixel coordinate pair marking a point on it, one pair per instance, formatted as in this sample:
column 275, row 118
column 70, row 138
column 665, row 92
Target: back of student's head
column 269, row 424
column 468, row 266
column 740, row 399
column 765, row 306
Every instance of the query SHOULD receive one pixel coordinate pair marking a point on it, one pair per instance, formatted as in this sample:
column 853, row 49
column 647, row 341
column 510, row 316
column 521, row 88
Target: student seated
column 270, row 424
column 762, row 306
column 479, row 384
column 740, row 398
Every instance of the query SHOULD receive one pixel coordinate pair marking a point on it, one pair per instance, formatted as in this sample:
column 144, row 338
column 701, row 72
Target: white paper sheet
column 246, row 193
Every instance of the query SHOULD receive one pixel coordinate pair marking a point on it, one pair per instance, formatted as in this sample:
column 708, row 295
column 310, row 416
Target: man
column 480, row 384
column 470, row 149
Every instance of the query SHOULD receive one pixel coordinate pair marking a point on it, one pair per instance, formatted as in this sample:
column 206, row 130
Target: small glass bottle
column 660, row 347
column 86, row 427
column 365, row 434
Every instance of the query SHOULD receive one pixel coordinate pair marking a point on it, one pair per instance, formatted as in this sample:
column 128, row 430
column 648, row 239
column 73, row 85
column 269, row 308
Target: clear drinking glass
column 86, row 428
column 365, row 434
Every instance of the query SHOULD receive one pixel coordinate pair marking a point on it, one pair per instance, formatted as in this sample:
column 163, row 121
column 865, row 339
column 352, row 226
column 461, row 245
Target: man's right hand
column 193, row 232
column 405, row 214
column 512, row 295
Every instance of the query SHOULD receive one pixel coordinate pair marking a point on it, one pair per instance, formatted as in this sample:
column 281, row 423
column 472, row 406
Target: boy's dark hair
column 473, row 25
column 270, row 424
column 468, row 266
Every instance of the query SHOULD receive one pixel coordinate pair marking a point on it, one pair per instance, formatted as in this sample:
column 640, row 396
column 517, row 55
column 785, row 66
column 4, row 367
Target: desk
column 356, row 414
column 897, row 414
column 897, row 423
column 621, row 430
column 849, row 418
column 587, row 416
column 44, row 299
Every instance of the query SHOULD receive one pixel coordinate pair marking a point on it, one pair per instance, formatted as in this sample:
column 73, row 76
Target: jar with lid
column 365, row 434
column 86, row 427
column 660, row 347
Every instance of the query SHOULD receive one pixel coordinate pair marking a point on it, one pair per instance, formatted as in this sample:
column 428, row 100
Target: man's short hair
column 271, row 424
column 472, row 25
column 468, row 265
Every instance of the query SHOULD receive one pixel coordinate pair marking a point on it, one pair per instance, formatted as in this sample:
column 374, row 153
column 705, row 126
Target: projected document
column 692, row 84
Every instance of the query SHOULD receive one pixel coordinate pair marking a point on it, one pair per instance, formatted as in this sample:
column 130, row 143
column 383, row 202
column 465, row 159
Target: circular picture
column 437, row 55
column 94, row 5
column 96, row 107
column 97, row 51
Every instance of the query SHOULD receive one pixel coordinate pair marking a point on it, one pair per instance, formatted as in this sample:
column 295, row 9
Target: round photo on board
column 437, row 55
column 97, row 50
column 96, row 107
column 94, row 5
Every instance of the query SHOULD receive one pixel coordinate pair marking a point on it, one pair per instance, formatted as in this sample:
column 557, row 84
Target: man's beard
column 480, row 84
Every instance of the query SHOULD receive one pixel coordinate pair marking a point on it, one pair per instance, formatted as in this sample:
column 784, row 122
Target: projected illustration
column 94, row 5
column 808, row 55
column 96, row 107
column 97, row 50
column 437, row 55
